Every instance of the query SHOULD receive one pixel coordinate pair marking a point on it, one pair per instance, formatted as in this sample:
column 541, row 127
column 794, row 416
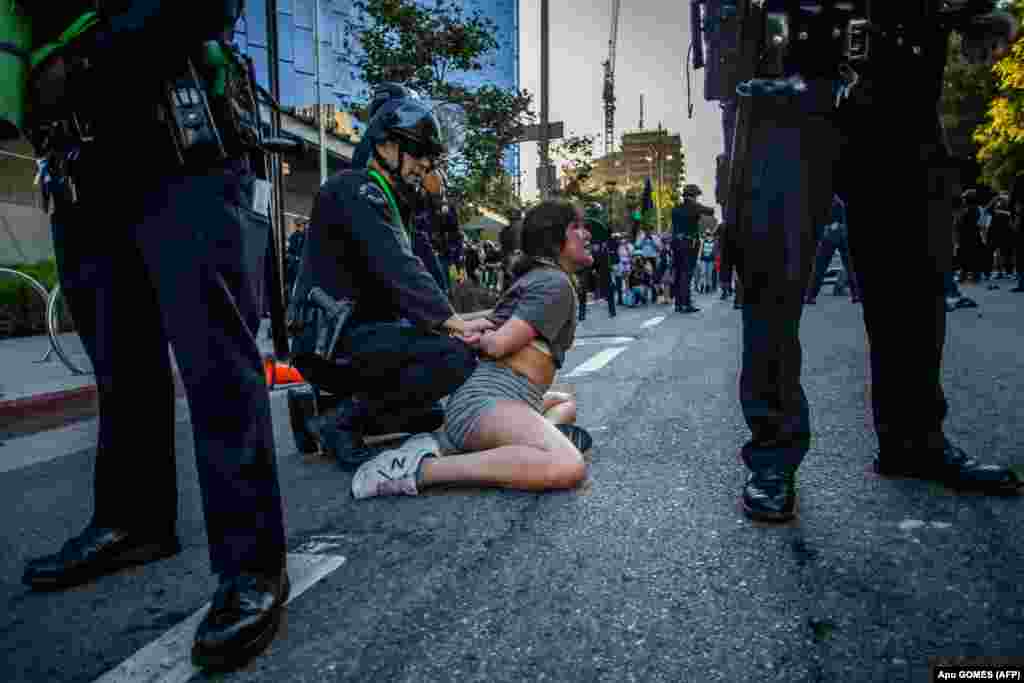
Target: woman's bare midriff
column 536, row 365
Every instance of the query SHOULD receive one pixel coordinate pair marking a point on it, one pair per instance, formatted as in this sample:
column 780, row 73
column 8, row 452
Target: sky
column 653, row 40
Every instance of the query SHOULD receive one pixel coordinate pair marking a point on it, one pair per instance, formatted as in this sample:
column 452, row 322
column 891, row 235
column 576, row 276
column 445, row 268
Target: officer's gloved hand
column 988, row 37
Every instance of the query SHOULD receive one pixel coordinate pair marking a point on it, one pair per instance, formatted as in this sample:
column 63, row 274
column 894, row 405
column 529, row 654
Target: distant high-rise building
column 340, row 84
column 654, row 154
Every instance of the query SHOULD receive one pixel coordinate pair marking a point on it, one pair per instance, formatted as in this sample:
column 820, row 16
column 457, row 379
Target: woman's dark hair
column 542, row 234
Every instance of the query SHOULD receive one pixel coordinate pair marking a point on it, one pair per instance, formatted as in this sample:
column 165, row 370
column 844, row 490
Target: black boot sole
column 989, row 488
column 133, row 557
column 242, row 654
column 762, row 516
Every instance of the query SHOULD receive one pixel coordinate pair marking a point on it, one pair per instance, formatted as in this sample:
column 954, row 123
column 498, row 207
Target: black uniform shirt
column 686, row 219
column 356, row 250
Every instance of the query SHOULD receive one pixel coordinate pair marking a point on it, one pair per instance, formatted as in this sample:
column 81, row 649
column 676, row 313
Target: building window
column 304, row 51
column 285, row 37
column 256, row 23
column 304, row 11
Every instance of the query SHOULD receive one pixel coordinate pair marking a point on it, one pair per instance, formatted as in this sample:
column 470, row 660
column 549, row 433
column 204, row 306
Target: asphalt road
column 648, row 572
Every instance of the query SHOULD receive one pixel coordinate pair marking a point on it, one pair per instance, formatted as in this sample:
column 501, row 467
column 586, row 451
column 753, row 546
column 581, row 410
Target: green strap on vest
column 391, row 201
column 81, row 25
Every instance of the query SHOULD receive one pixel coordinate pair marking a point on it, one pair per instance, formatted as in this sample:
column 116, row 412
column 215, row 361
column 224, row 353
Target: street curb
column 24, row 405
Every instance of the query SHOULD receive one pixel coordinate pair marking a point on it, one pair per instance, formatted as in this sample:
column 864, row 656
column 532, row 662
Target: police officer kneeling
column 392, row 357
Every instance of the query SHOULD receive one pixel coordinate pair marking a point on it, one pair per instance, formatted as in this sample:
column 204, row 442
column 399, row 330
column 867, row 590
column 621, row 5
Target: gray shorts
column 488, row 384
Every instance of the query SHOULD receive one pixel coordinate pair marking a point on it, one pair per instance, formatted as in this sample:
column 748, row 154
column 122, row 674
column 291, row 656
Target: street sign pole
column 319, row 99
column 545, row 188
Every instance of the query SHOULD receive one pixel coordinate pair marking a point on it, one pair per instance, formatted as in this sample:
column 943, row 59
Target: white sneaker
column 393, row 472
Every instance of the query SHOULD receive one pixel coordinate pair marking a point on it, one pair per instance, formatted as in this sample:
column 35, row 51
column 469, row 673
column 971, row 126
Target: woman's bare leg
column 512, row 447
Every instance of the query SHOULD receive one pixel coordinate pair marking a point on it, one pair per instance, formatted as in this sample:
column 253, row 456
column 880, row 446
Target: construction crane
column 609, row 83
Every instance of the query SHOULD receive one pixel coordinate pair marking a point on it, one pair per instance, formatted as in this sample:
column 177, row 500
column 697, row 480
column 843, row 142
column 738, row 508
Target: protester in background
column 293, row 254
column 707, row 263
column 601, row 248
column 1000, row 236
column 970, row 249
column 473, row 262
column 663, row 273
column 647, row 247
column 625, row 267
column 1017, row 229
column 496, row 418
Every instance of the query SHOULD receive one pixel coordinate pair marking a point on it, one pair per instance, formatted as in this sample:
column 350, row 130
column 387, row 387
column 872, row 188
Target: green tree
column 424, row 47
column 1001, row 137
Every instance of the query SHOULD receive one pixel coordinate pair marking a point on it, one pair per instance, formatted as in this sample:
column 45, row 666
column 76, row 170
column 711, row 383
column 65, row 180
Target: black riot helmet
column 381, row 94
column 412, row 125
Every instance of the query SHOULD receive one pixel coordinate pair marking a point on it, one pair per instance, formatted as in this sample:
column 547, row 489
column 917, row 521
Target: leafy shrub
column 22, row 310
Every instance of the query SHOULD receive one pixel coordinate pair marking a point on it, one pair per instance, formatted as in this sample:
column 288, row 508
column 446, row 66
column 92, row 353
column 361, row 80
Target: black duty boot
column 770, row 494
column 302, row 411
column 951, row 466
column 341, row 434
column 419, row 420
column 95, row 552
column 244, row 617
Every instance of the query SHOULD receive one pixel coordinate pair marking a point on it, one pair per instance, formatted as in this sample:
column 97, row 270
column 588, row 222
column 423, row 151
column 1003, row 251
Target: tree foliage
column 1001, row 137
column 425, row 47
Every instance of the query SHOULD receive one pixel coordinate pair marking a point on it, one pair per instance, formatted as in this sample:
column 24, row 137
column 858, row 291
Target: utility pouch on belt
column 317, row 322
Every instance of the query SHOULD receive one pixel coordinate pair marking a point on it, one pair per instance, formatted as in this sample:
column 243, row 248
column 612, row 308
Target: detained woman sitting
column 508, row 430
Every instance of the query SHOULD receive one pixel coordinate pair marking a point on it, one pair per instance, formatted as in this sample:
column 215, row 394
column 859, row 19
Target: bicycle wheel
column 56, row 311
column 36, row 287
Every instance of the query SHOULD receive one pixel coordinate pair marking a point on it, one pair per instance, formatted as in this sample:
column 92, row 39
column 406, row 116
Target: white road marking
column 168, row 659
column 597, row 361
column 592, row 341
column 654, row 321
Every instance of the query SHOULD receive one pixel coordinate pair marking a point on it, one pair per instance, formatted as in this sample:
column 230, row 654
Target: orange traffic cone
column 280, row 373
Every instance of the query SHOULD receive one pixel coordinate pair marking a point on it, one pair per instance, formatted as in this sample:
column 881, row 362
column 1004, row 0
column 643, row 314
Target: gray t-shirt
column 545, row 298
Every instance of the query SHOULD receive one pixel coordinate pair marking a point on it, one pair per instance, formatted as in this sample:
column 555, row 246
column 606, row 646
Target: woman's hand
column 488, row 344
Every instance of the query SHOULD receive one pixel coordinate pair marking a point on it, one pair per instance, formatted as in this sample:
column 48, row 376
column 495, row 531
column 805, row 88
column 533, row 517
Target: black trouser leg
column 396, row 366
column 170, row 265
column 604, row 276
column 115, row 310
column 788, row 176
column 192, row 240
column 844, row 255
column 906, row 357
column 826, row 248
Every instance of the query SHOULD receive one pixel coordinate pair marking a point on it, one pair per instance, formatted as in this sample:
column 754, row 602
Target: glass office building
column 340, row 85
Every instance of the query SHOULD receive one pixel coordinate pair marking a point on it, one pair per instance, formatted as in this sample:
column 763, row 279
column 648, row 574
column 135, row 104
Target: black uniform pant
column 397, row 369
column 683, row 259
column 144, row 263
column 833, row 241
column 604, row 276
column 788, row 190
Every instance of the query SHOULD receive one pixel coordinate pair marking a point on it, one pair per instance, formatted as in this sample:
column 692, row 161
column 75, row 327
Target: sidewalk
column 30, row 387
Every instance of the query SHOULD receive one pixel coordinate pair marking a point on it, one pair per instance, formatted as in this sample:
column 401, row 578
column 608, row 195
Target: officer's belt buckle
column 858, row 40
